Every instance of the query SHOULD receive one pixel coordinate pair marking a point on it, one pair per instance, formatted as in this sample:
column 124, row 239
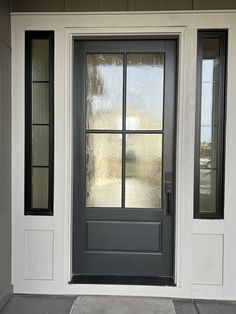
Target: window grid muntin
column 29, row 37
column 124, row 131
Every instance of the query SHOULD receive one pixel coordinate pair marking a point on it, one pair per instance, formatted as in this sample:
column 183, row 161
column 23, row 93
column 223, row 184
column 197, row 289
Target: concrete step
column 122, row 305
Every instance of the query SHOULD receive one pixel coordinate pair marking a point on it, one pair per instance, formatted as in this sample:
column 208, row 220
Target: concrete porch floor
column 44, row 304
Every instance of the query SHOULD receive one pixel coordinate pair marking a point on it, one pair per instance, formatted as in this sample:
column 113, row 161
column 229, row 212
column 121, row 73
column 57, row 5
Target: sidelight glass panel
column 207, row 190
column 145, row 89
column 40, row 60
column 208, row 152
column 40, row 188
column 40, row 103
column 209, row 122
column 39, row 113
column 103, row 170
column 40, row 145
column 209, row 183
column 209, row 98
column 104, row 86
column 143, row 172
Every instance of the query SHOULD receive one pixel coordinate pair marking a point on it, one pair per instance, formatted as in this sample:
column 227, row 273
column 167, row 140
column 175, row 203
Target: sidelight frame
column 222, row 35
column 29, row 209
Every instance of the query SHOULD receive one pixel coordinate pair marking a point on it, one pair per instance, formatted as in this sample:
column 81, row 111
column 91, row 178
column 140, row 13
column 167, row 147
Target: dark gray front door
column 124, row 127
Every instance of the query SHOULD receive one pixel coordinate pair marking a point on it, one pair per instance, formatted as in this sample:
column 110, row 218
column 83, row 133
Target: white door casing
column 193, row 237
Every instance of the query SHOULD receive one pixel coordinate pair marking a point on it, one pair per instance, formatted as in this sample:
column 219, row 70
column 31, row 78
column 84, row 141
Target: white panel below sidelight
column 208, row 259
column 39, row 247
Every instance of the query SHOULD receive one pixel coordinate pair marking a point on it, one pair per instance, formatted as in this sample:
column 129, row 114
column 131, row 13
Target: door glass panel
column 40, row 145
column 104, row 87
column 143, row 175
column 40, row 60
column 40, row 103
column 103, row 170
column 40, row 188
column 145, row 88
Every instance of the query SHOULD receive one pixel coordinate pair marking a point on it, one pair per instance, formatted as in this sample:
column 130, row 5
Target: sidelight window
column 210, row 116
column 39, row 122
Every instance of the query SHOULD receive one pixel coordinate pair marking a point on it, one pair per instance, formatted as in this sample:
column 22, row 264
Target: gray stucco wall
column 119, row 5
column 5, row 151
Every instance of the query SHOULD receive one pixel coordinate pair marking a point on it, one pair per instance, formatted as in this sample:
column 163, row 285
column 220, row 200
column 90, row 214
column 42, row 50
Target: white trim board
column 187, row 12
column 67, row 25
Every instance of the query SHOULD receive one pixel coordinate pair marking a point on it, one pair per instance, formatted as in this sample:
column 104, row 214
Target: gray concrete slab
column 44, row 304
column 215, row 307
column 184, row 307
column 122, row 305
column 38, row 304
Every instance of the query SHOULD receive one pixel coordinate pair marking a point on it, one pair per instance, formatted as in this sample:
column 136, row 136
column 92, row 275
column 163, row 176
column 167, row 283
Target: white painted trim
column 123, row 23
column 70, row 34
column 5, row 296
column 186, row 121
column 203, row 226
column 69, row 157
column 187, row 12
column 230, row 171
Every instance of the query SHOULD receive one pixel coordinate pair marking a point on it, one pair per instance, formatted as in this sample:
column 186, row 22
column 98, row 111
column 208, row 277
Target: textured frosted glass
column 40, row 188
column 145, row 88
column 40, row 60
column 40, row 144
column 103, row 170
column 143, row 180
column 207, row 190
column 40, row 103
column 104, row 91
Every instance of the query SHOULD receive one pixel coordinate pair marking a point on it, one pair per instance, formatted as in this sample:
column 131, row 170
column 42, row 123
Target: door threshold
column 122, row 280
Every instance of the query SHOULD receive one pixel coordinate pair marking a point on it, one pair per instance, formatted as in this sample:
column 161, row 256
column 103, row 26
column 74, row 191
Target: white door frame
column 190, row 234
column 70, row 34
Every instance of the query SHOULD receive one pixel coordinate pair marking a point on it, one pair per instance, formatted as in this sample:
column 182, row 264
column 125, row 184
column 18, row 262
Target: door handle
column 169, row 200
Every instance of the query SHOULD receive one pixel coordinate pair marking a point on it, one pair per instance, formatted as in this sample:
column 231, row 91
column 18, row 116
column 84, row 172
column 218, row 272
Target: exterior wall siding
column 5, row 156
column 119, row 5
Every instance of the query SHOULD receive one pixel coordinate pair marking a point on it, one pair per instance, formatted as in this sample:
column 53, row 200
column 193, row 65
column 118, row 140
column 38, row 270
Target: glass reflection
column 40, row 60
column 40, row 143
column 104, row 91
column 40, row 188
column 143, row 182
column 209, row 122
column 145, row 88
column 207, row 189
column 40, row 103
column 103, row 170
